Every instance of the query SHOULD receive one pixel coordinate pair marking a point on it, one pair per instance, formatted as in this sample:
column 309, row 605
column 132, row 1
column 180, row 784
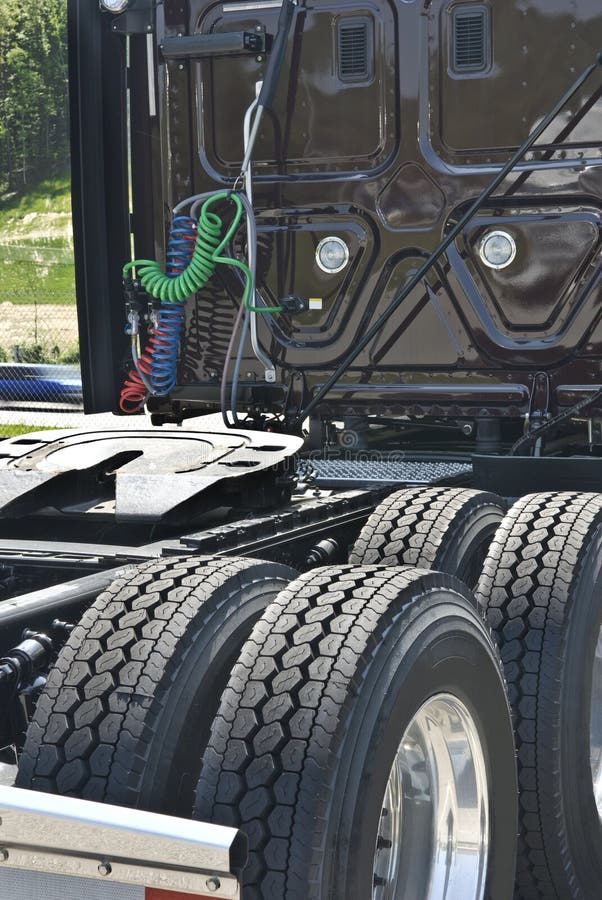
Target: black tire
column 541, row 588
column 307, row 730
column 447, row 529
column 126, row 712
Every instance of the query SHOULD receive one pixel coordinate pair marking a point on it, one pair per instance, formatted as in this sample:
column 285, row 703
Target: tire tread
column 413, row 526
column 92, row 728
column 280, row 721
column 525, row 588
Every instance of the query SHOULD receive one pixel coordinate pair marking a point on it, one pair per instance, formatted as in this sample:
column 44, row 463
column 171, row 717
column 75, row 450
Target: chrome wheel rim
column 595, row 726
column 433, row 835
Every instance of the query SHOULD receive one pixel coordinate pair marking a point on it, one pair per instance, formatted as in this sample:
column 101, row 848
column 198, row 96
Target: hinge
column 138, row 19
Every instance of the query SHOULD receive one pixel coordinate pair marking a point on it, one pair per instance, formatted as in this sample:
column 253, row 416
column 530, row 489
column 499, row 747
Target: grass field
column 9, row 431
column 38, row 320
column 36, row 245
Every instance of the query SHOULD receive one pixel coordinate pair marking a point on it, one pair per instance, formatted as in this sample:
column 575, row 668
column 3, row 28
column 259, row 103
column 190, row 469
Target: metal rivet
column 105, row 868
column 3, row 855
column 181, row 66
column 259, row 59
column 213, row 884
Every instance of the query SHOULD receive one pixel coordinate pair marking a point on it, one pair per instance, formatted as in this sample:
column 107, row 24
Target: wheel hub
column 433, row 836
column 595, row 731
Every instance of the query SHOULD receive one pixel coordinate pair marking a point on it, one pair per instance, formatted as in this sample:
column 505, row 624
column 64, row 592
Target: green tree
column 33, row 91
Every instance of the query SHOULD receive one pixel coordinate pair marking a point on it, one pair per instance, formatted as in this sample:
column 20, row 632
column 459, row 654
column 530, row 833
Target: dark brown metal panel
column 389, row 163
column 411, row 200
column 314, row 106
column 551, row 305
column 537, row 49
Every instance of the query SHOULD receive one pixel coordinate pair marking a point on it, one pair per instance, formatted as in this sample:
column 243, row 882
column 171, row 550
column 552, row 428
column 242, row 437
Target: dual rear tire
column 358, row 705
column 364, row 744
column 540, row 586
column 361, row 734
column 366, row 711
column 356, row 690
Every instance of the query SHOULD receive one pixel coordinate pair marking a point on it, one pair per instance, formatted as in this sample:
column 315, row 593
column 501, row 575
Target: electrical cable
column 246, row 324
column 224, row 379
column 533, row 436
column 272, row 75
column 237, row 366
column 197, row 199
column 142, row 365
column 246, row 176
column 252, row 258
column 252, row 264
column 204, row 260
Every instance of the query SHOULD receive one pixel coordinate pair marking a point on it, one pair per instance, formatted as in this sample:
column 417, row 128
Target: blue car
column 27, row 383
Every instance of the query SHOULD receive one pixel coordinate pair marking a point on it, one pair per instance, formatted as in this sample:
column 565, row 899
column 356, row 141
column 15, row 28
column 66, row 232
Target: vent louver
column 355, row 49
column 470, row 40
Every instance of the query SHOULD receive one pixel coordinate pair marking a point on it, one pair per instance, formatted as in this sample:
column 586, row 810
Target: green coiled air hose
column 205, row 257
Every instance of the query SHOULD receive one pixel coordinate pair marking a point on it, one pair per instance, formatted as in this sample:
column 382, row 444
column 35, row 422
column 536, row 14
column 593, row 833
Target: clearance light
column 497, row 249
column 114, row 6
column 332, row 255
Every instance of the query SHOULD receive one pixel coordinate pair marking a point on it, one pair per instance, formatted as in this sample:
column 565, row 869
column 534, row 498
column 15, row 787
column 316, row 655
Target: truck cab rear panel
column 389, row 119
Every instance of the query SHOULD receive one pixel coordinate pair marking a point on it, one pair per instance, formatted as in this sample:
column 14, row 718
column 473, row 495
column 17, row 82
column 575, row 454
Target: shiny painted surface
column 433, row 839
column 386, row 165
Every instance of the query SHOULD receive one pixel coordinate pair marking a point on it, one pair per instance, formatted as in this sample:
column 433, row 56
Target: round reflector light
column 497, row 249
column 332, row 255
column 114, row 6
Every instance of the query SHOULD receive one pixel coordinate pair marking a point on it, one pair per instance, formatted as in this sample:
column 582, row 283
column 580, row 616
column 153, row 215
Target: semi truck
column 320, row 615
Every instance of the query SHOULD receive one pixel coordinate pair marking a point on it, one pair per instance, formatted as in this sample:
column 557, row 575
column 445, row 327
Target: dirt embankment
column 47, row 324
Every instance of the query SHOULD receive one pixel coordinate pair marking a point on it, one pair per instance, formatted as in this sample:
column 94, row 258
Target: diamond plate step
column 333, row 473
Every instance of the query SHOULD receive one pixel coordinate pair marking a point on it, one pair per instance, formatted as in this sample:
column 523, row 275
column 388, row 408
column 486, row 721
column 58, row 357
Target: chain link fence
column 39, row 353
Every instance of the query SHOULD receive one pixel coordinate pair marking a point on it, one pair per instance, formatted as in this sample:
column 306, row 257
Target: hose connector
column 21, row 665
